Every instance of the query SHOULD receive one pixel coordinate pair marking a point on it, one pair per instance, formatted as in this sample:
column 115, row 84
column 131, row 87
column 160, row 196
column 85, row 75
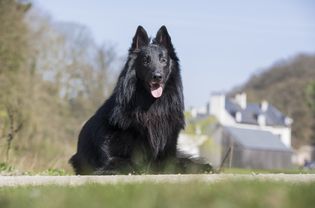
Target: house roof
column 249, row 115
column 257, row 139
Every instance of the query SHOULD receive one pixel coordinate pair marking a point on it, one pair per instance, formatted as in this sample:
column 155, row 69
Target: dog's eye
column 146, row 60
column 163, row 60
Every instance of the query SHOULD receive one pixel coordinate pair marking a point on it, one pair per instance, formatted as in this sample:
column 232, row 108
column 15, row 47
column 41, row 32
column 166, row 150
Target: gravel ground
column 207, row 178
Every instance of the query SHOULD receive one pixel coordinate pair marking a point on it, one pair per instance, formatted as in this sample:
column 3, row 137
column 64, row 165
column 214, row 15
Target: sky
column 220, row 44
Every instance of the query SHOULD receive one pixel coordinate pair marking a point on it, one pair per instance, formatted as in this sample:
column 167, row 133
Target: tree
column 310, row 92
column 13, row 51
column 52, row 78
column 283, row 84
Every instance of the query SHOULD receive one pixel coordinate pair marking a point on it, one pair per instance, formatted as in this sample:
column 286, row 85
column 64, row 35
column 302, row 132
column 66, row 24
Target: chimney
column 264, row 106
column 238, row 116
column 261, row 120
column 217, row 106
column 288, row 121
column 241, row 99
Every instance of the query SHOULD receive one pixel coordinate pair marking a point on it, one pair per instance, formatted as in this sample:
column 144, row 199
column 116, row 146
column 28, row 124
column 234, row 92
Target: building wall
column 217, row 108
column 242, row 157
column 263, row 159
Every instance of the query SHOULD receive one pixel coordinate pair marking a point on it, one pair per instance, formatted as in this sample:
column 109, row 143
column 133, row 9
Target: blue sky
column 220, row 43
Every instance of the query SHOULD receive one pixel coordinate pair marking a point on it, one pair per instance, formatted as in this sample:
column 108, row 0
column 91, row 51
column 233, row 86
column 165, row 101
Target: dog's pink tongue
column 157, row 92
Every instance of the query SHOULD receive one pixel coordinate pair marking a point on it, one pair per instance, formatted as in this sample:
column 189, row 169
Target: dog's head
column 154, row 60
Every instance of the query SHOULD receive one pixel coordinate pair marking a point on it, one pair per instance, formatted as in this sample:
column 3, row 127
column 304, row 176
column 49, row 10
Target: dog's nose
column 157, row 77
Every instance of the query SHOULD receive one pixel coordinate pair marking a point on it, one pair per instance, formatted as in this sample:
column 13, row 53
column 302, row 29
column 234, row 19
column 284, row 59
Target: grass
column 221, row 194
column 7, row 169
column 4, row 167
column 256, row 171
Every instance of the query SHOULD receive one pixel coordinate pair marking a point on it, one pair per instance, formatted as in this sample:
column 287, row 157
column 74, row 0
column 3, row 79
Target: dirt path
column 79, row 180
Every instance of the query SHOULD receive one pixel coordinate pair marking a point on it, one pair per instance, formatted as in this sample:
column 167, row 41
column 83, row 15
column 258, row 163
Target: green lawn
column 193, row 195
column 256, row 171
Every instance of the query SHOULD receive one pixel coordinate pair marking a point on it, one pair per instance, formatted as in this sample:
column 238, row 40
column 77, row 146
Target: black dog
column 137, row 128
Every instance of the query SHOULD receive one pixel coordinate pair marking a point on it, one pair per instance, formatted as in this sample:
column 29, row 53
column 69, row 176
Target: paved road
column 211, row 178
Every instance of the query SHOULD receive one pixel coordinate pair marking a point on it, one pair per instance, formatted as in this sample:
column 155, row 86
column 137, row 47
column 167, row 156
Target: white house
column 250, row 135
column 236, row 112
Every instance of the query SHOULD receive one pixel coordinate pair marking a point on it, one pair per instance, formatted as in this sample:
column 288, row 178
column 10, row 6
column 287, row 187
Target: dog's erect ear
column 163, row 38
column 140, row 39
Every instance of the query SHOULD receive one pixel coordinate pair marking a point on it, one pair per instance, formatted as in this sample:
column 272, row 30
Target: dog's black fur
column 137, row 128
